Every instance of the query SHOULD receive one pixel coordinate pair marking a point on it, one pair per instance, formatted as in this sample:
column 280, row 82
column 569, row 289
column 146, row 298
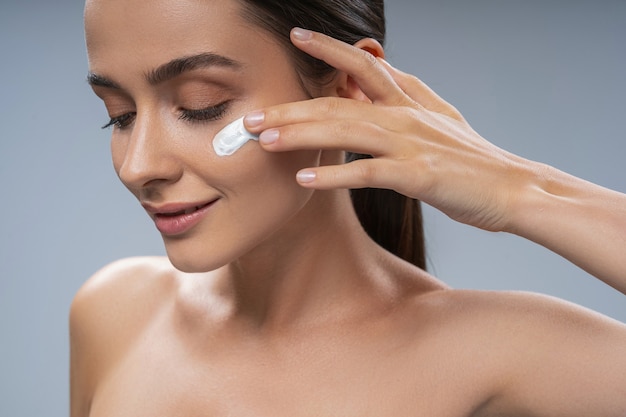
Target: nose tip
column 146, row 159
column 138, row 171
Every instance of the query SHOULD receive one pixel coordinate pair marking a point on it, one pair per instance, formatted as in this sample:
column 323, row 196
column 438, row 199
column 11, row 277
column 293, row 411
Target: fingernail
column 268, row 137
column 301, row 34
column 306, row 176
column 254, row 119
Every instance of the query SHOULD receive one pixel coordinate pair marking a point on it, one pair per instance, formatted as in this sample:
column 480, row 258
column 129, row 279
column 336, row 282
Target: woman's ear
column 345, row 86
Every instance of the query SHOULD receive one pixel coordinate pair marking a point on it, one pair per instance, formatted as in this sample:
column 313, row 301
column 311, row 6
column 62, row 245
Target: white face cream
column 231, row 138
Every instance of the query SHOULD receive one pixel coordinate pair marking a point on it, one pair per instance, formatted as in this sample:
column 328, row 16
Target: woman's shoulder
column 118, row 302
column 133, row 272
column 516, row 328
column 514, row 345
column 431, row 303
column 507, row 311
column 119, row 284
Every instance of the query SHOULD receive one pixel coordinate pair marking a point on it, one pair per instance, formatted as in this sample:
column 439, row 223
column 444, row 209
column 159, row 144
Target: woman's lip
column 171, row 208
column 178, row 218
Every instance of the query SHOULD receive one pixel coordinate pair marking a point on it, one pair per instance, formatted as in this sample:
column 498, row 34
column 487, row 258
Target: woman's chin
column 191, row 264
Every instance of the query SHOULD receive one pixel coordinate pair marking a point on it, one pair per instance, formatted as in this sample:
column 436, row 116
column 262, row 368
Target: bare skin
column 418, row 350
column 308, row 317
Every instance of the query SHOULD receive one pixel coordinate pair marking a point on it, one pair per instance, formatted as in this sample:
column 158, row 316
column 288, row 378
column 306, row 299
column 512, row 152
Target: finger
column 420, row 92
column 319, row 110
column 362, row 66
column 345, row 135
column 362, row 173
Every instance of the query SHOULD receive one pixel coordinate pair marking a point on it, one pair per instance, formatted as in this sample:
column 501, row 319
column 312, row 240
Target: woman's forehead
column 146, row 34
column 143, row 23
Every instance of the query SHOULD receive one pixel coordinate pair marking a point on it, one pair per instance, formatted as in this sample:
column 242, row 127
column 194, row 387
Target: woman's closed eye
column 121, row 121
column 206, row 114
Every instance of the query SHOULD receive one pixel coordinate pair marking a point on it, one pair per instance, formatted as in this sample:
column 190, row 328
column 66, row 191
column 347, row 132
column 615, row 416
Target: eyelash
column 201, row 115
column 120, row 121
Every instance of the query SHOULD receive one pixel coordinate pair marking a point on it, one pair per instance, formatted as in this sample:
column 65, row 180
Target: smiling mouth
column 172, row 222
column 187, row 211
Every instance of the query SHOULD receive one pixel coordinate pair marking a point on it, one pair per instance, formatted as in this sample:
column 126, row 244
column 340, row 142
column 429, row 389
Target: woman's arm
column 581, row 221
column 424, row 148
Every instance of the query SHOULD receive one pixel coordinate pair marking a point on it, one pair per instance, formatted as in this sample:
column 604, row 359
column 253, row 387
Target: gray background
column 544, row 79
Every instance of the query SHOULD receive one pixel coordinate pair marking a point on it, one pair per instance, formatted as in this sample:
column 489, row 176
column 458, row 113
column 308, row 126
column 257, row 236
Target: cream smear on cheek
column 232, row 137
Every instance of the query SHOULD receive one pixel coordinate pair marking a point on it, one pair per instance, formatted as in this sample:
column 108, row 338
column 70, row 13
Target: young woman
column 273, row 299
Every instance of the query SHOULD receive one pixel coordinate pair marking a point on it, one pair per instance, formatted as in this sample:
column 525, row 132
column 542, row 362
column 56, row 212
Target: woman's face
column 172, row 73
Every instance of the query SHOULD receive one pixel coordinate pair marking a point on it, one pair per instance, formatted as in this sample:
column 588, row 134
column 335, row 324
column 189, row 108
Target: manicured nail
column 254, row 119
column 306, row 176
column 302, row 34
column 267, row 137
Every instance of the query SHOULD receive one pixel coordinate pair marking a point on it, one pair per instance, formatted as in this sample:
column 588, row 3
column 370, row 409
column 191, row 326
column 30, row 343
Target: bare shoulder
column 111, row 309
column 532, row 353
column 107, row 314
column 517, row 317
column 519, row 305
column 122, row 295
column 136, row 273
column 124, row 286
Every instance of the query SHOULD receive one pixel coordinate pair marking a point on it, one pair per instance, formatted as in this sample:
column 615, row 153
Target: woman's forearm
column 581, row 221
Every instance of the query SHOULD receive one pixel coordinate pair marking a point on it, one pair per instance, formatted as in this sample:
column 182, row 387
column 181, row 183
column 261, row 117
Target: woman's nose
column 149, row 155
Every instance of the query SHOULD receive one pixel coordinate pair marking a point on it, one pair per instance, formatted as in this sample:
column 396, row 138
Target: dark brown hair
column 391, row 219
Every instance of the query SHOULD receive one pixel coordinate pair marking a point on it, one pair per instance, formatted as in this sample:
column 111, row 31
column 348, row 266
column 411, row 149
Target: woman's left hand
column 422, row 147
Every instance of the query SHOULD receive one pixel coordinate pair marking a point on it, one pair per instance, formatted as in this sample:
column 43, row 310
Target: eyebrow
column 100, row 81
column 172, row 69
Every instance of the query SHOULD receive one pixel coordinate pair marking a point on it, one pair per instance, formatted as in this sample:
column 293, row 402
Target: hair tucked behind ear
column 391, row 219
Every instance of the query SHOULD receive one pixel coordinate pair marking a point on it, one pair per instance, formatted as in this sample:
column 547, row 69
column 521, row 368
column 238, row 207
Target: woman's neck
column 318, row 267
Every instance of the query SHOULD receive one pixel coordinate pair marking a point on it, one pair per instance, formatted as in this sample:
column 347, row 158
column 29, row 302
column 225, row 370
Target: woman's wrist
column 533, row 192
column 551, row 206
column 580, row 221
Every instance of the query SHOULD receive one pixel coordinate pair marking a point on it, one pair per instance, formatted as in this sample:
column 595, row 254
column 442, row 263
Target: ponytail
column 392, row 220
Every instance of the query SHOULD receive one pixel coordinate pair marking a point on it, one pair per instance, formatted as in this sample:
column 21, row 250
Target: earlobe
column 346, row 86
